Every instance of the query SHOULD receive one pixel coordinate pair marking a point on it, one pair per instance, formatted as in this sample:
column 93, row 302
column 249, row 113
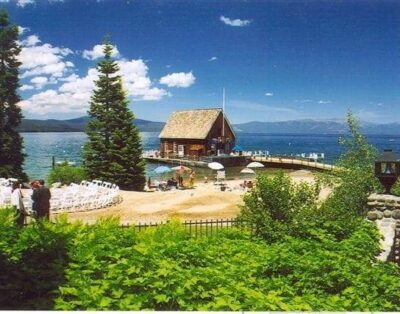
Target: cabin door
column 181, row 150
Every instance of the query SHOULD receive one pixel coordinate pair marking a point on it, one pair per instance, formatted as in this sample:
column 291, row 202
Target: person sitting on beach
column 243, row 185
column 249, row 184
column 172, row 182
column 205, row 179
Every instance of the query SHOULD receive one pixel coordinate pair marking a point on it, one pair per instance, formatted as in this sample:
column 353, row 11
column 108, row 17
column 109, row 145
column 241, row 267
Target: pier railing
column 274, row 160
column 289, row 160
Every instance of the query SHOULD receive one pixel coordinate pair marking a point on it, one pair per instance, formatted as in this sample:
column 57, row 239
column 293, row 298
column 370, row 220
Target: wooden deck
column 272, row 162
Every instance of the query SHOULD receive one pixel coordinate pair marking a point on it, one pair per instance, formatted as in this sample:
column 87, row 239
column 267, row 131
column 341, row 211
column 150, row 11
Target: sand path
column 205, row 201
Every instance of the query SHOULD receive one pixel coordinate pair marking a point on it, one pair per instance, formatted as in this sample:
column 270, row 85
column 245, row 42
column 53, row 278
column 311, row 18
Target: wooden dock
column 292, row 163
column 267, row 161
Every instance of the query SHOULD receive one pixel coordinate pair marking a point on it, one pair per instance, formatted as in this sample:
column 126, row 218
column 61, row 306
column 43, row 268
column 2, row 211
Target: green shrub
column 66, row 174
column 273, row 205
column 105, row 267
column 354, row 180
column 32, row 261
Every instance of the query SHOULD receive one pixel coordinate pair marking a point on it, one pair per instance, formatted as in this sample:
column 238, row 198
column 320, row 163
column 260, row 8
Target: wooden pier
column 292, row 163
column 230, row 161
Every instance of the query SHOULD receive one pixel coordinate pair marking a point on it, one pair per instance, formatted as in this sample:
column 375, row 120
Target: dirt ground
column 205, row 201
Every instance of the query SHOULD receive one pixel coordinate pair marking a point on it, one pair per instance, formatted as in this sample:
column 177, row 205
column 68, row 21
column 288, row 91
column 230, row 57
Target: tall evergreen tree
column 11, row 143
column 114, row 151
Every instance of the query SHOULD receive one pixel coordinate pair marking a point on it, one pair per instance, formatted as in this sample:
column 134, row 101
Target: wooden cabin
column 194, row 133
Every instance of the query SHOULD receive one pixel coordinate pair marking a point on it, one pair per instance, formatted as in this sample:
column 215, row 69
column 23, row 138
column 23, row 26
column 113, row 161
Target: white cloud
column 74, row 95
column 371, row 116
column 235, row 22
column 178, row 79
column 324, row 102
column 26, row 87
column 303, row 101
column 22, row 3
column 53, row 101
column 379, row 104
column 269, row 94
column 22, row 30
column 261, row 107
column 39, row 60
column 31, row 40
column 137, row 82
column 213, row 59
column 97, row 52
column 41, row 81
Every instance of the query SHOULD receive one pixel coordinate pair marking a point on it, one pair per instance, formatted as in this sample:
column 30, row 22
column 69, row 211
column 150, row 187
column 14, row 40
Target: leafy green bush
column 105, row 267
column 66, row 174
column 354, row 178
column 32, row 260
column 273, row 205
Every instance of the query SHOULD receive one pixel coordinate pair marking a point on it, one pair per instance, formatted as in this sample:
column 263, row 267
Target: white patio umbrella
column 255, row 164
column 181, row 168
column 247, row 170
column 215, row 166
column 162, row 169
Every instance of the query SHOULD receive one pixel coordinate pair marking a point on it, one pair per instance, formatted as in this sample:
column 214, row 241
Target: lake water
column 40, row 147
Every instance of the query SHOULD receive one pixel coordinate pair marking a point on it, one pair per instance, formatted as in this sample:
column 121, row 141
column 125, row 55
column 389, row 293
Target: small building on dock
column 195, row 133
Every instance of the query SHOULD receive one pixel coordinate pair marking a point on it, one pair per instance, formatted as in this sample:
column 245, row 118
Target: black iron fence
column 198, row 228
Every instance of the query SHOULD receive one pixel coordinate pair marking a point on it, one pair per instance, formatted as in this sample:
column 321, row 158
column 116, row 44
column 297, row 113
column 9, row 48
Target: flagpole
column 223, row 112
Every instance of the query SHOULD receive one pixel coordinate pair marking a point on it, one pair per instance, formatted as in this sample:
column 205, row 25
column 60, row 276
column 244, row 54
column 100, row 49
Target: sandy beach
column 205, row 201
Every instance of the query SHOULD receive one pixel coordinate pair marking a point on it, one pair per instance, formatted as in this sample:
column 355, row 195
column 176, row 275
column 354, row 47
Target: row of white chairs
column 84, row 196
column 75, row 197
column 7, row 182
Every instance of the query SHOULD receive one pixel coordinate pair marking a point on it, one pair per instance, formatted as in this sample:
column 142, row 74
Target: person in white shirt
column 16, row 201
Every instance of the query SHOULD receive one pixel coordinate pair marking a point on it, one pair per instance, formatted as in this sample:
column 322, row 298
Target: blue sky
column 277, row 60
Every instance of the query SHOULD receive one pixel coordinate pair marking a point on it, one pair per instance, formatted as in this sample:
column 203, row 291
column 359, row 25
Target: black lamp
column 387, row 169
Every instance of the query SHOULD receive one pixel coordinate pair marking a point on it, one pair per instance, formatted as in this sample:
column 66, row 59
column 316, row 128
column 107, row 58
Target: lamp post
column 387, row 169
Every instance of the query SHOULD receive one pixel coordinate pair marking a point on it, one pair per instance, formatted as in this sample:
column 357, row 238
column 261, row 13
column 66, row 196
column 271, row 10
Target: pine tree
column 11, row 143
column 113, row 152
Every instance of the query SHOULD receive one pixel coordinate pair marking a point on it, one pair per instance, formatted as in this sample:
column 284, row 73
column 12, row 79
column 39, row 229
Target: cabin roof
column 191, row 124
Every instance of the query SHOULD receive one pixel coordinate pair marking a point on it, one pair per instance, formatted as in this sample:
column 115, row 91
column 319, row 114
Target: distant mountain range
column 78, row 125
column 293, row 127
column 315, row 127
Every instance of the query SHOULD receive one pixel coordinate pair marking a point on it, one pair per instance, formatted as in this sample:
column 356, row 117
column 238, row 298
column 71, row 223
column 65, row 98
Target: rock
column 396, row 214
column 379, row 214
column 372, row 215
column 387, row 213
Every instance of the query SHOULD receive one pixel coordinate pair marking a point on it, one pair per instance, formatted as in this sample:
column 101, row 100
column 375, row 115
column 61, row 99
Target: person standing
column 192, row 176
column 34, row 187
column 41, row 200
column 16, row 201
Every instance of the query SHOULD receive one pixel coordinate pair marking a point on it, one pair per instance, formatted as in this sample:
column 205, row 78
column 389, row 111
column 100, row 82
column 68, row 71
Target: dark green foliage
column 113, row 152
column 67, row 174
column 396, row 188
column 273, row 206
column 32, row 262
column 11, row 156
column 105, row 267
